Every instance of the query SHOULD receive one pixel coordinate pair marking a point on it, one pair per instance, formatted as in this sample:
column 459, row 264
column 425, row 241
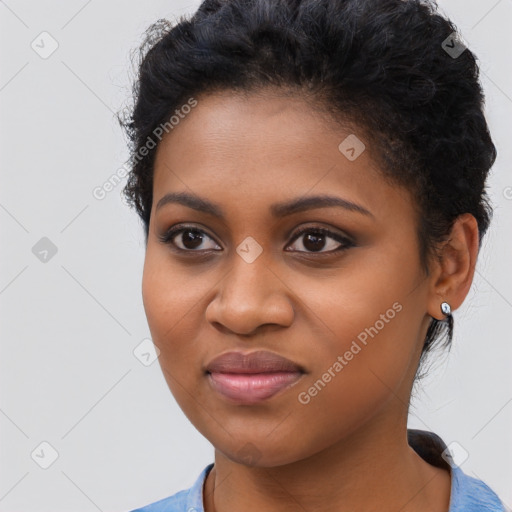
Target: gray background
column 68, row 375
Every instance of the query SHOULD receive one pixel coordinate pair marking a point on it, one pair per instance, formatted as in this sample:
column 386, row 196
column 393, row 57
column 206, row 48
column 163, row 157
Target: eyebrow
column 278, row 210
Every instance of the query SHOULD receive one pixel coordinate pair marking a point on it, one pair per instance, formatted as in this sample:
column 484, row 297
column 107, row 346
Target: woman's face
column 348, row 306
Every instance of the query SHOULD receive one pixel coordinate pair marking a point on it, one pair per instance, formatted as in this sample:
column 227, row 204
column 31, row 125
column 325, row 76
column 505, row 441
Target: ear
column 452, row 273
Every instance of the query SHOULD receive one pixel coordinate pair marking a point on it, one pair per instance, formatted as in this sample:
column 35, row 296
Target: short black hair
column 383, row 65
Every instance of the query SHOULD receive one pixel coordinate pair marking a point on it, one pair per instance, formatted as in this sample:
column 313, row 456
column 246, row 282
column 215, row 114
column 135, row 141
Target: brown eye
column 189, row 239
column 320, row 240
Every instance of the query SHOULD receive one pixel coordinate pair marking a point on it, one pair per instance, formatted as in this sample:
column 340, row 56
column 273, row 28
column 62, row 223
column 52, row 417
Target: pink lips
column 251, row 378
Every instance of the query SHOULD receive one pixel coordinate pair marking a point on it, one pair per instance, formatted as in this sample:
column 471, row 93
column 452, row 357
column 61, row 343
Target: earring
column 446, row 309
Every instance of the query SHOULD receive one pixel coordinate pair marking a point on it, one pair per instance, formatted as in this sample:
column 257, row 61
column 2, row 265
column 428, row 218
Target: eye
column 309, row 239
column 316, row 239
column 189, row 239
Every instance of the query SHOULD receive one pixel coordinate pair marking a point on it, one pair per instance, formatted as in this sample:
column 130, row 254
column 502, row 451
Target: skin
column 245, row 154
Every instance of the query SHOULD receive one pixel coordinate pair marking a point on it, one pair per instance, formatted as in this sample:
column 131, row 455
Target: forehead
column 259, row 149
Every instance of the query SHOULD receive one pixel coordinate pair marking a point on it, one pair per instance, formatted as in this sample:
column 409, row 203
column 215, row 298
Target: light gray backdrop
column 71, row 264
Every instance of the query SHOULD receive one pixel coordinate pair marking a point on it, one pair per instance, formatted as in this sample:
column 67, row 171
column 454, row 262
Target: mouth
column 251, row 378
column 252, row 388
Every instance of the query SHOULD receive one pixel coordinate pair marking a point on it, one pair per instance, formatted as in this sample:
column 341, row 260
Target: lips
column 255, row 362
column 251, row 378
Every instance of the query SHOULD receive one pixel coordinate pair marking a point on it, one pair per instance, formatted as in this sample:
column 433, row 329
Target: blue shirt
column 468, row 494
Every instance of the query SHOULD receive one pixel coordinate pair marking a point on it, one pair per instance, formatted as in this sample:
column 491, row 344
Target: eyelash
column 168, row 238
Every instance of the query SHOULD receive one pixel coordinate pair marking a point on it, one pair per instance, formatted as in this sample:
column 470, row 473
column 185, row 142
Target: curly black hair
column 396, row 69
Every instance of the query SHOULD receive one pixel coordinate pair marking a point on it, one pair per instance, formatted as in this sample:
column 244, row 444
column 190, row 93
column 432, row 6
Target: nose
column 249, row 296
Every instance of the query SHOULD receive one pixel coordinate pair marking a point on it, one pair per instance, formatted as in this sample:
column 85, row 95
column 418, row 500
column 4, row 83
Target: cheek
column 355, row 376
column 169, row 292
column 368, row 301
column 367, row 341
column 172, row 302
column 365, row 303
column 365, row 348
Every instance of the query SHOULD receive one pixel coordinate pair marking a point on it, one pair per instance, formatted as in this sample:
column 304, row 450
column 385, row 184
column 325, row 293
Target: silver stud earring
column 446, row 309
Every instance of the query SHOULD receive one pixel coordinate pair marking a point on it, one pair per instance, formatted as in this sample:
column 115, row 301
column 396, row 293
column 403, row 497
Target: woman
column 311, row 179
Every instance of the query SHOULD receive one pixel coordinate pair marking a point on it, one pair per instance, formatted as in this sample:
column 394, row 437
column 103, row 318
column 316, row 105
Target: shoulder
column 468, row 494
column 175, row 503
column 472, row 495
column 183, row 501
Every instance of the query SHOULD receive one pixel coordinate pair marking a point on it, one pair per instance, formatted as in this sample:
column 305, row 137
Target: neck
column 367, row 471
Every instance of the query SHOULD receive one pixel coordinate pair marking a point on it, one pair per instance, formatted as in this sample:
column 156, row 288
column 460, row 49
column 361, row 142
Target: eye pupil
column 193, row 238
column 314, row 242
